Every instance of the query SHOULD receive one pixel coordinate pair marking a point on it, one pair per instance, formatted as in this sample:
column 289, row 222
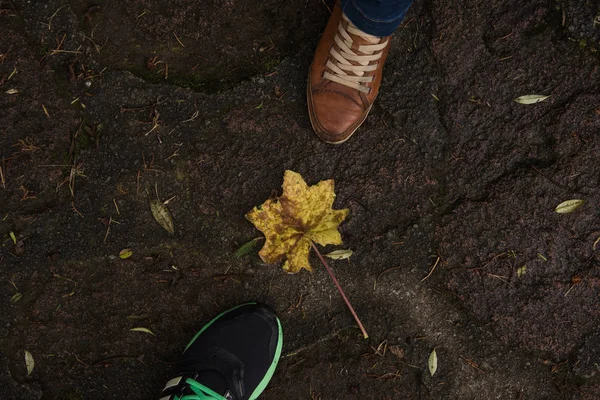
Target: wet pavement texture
column 105, row 105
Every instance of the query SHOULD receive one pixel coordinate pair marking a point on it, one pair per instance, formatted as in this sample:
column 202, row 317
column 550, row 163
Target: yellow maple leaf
column 290, row 222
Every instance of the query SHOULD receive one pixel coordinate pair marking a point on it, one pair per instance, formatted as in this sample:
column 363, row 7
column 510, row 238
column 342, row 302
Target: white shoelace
column 340, row 66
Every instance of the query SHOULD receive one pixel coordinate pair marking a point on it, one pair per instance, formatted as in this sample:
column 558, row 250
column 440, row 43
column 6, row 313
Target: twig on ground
column 193, row 117
column 59, row 44
column 2, row 175
column 177, row 37
column 175, row 153
column 108, row 224
column 326, row 6
column 309, row 346
column 432, row 269
column 96, row 45
column 49, row 24
column 574, row 283
column 378, row 351
column 502, row 278
column 137, row 191
column 472, row 363
column 380, row 275
column 158, row 101
column 388, row 375
column 155, row 121
column 75, row 209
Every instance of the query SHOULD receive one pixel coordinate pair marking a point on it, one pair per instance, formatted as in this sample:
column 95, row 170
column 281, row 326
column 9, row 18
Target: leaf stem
column 339, row 288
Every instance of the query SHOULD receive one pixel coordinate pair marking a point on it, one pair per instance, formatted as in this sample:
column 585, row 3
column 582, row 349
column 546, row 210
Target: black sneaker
column 232, row 358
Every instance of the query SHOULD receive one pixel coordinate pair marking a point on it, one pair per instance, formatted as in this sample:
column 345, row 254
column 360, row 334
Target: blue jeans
column 376, row 17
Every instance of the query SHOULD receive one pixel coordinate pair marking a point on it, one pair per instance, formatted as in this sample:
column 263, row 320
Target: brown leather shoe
column 344, row 78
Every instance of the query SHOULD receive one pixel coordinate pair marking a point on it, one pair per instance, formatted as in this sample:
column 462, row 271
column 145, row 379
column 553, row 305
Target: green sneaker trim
column 202, row 392
column 205, row 327
column 265, row 381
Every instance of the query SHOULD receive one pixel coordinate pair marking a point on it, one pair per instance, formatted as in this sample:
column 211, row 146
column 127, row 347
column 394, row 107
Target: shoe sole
column 269, row 374
column 313, row 118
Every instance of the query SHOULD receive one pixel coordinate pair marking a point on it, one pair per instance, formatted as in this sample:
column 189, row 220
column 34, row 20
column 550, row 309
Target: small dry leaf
column 161, row 214
column 432, row 363
column 125, row 253
column 12, row 91
column 29, row 363
column 596, row 243
column 13, row 237
column 568, row 206
column 15, row 298
column 521, row 271
column 278, row 91
column 141, row 329
column 531, row 99
column 339, row 254
column 397, row 351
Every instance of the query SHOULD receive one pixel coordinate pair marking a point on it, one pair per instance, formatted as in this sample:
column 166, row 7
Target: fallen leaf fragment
column 134, row 317
column 45, row 111
column 521, row 271
column 531, row 99
column 141, row 329
column 29, row 363
column 20, row 247
column 397, row 351
column 15, row 298
column 568, row 206
column 13, row 237
column 432, row 363
column 12, row 91
column 125, row 253
column 246, row 248
column 290, row 223
column 339, row 254
column 161, row 214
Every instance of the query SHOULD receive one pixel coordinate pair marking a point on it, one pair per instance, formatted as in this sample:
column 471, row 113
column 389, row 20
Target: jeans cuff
column 372, row 24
